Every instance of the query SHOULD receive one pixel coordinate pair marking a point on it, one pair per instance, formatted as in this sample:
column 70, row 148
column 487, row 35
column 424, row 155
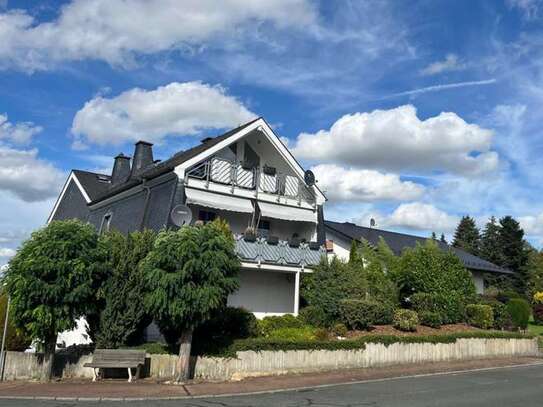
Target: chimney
column 143, row 157
column 121, row 169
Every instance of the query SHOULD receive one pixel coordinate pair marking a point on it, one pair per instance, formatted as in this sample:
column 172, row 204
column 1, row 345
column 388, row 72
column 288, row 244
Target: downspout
column 145, row 205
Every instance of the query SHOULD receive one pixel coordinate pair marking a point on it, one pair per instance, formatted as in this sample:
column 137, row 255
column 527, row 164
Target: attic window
column 106, row 223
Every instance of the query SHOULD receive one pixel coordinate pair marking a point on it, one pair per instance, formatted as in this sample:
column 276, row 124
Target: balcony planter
column 269, row 170
column 249, row 235
column 273, row 240
column 294, row 242
column 314, row 246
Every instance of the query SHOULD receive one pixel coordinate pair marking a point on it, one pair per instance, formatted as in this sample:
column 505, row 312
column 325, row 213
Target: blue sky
column 413, row 113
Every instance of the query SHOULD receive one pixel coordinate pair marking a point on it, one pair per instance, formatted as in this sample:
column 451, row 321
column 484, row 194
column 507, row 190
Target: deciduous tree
column 52, row 281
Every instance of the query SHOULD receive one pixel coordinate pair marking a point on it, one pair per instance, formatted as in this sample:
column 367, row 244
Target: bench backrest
column 119, row 355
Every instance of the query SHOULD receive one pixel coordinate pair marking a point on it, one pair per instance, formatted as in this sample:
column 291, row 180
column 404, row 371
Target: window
column 206, row 216
column 106, row 223
column 263, row 229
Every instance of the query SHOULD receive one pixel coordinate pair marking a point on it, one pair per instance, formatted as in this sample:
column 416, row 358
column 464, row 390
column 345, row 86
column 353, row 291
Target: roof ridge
column 381, row 230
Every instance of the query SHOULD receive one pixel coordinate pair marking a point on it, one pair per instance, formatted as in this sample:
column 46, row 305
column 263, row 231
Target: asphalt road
column 508, row 387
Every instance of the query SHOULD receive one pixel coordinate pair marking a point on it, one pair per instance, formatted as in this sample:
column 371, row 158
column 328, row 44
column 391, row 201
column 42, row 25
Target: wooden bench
column 116, row 359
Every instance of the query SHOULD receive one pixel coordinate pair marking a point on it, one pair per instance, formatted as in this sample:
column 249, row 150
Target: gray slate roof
column 170, row 164
column 399, row 241
column 93, row 183
column 280, row 254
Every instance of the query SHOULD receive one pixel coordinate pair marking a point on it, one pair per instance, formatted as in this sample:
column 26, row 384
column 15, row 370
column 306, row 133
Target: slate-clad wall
column 127, row 213
column 73, row 205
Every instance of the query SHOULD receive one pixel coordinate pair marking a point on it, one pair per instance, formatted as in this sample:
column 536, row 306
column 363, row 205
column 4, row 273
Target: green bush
column 519, row 310
column 305, row 333
column 502, row 318
column 358, row 314
column 340, row 330
column 431, row 319
column 429, row 269
column 155, row 348
column 480, row 316
column 267, row 344
column 322, row 334
column 222, row 329
column 505, row 295
column 384, row 313
column 406, row 320
column 269, row 324
column 450, row 306
column 312, row 315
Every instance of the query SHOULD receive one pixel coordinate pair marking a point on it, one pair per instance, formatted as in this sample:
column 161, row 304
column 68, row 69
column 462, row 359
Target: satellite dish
column 309, row 178
column 181, row 215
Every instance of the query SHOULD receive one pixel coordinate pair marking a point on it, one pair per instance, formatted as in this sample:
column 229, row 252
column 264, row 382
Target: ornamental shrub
column 268, row 325
column 480, row 316
column 384, row 313
column 538, row 297
column 304, row 333
column 312, row 315
column 322, row 334
column 429, row 269
column 431, row 319
column 519, row 309
column 358, row 314
column 406, row 320
column 506, row 295
column 449, row 306
column 502, row 318
column 340, row 330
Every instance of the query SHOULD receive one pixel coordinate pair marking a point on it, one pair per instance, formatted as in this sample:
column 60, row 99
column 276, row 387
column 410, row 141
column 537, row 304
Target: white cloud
column 416, row 216
column 7, row 252
column 117, row 30
column 529, row 8
column 28, row 177
column 342, row 184
column 18, row 133
column 174, row 109
column 397, row 140
column 450, row 63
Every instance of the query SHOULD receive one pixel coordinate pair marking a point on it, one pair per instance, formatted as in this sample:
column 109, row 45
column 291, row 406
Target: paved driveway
column 508, row 387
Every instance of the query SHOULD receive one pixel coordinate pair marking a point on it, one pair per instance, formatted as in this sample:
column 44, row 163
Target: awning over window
column 218, row 201
column 269, row 210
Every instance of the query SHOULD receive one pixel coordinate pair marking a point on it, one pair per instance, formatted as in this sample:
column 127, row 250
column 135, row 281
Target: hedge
column 480, row 316
column 268, row 344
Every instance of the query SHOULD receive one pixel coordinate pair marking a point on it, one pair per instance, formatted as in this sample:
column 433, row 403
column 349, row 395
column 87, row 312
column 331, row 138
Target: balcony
column 262, row 251
column 257, row 181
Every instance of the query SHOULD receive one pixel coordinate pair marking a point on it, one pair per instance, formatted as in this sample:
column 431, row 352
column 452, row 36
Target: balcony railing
column 265, row 180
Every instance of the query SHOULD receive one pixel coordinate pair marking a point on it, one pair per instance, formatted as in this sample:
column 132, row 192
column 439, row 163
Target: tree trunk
column 49, row 357
column 183, row 363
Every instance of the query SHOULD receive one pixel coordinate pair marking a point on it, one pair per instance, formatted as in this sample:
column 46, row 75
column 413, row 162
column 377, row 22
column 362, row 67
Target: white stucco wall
column 264, row 293
column 478, row 280
column 342, row 246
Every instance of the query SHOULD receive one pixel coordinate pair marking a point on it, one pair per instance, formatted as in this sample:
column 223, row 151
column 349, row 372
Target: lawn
column 535, row 329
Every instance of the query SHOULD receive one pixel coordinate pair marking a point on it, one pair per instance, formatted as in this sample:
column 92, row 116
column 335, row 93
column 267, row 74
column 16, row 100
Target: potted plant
column 250, row 234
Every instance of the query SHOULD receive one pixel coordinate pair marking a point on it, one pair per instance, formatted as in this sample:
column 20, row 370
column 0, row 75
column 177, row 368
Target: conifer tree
column 467, row 236
column 491, row 249
column 442, row 239
column 514, row 251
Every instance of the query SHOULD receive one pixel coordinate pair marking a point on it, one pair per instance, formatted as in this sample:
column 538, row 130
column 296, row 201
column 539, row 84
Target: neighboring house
column 246, row 176
column 341, row 235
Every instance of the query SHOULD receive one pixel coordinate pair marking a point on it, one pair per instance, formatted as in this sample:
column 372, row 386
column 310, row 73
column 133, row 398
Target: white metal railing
column 233, row 173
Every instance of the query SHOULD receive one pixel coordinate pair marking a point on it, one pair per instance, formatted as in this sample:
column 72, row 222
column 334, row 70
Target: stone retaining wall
column 252, row 364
